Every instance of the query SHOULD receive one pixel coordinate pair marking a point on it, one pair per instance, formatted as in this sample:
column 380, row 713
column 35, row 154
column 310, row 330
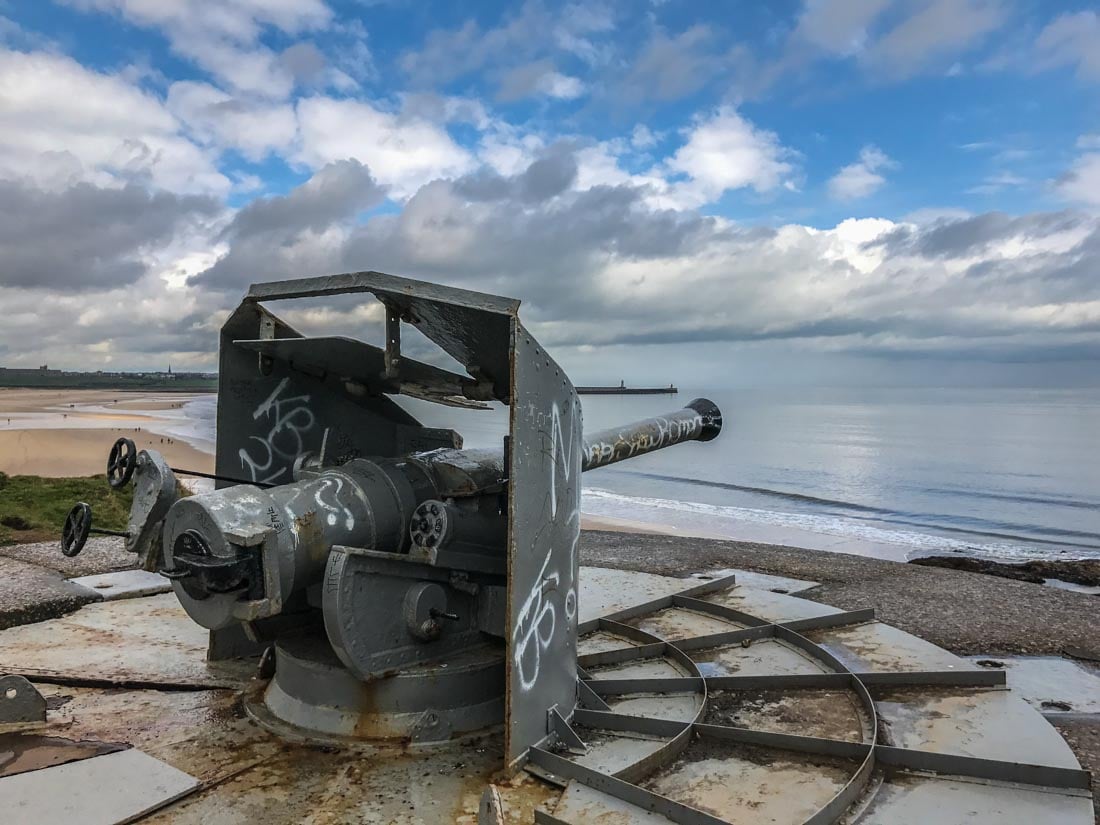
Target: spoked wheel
column 77, row 526
column 121, row 463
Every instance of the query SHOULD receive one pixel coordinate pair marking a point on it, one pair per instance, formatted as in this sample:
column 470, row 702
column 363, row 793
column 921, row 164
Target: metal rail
column 868, row 757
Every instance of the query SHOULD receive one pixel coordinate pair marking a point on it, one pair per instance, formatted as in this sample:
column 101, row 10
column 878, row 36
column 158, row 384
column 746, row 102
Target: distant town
column 169, row 381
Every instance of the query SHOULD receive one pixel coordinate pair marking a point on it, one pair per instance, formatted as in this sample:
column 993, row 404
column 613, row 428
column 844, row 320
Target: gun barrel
column 701, row 420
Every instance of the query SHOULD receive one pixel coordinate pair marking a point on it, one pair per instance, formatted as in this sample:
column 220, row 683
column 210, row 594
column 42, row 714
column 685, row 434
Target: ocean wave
column 719, row 517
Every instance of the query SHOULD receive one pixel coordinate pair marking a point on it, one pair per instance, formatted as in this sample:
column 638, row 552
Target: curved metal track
column 662, row 747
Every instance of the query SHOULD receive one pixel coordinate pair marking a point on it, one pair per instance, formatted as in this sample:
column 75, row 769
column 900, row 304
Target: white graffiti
column 336, row 510
column 626, row 445
column 537, row 620
column 289, row 419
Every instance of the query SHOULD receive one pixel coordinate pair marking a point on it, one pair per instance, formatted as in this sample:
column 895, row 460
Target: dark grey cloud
column 544, row 179
column 267, row 230
column 961, row 237
column 86, row 237
column 606, row 266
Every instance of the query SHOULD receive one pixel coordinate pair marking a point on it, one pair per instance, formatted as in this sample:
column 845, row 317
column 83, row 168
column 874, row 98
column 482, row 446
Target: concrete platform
column 133, row 672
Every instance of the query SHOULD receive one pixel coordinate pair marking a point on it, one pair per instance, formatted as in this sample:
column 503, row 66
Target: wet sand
column 63, row 453
column 62, row 433
column 14, row 400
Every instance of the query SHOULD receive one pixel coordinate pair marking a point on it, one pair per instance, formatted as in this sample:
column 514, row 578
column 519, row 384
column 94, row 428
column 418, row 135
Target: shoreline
column 65, row 433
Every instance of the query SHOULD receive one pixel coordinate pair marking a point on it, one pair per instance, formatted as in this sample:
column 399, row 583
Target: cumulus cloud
column 539, row 78
column 603, row 267
column 61, row 123
column 404, row 151
column 1082, row 182
column 216, row 118
column 725, row 151
column 224, row 38
column 862, row 178
column 1072, row 39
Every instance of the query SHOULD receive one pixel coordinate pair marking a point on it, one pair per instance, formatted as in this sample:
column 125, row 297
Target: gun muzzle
column 701, row 420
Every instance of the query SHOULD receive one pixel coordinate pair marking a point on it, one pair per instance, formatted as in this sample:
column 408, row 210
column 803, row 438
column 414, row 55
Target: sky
column 811, row 192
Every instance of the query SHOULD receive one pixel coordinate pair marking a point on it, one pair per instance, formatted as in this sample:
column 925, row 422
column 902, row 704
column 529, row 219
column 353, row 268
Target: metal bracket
column 20, row 701
column 560, row 726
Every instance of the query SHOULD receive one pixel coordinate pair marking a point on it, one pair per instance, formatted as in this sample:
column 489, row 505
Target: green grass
column 34, row 508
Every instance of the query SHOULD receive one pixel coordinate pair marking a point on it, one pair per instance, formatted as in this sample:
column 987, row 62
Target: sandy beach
column 59, row 433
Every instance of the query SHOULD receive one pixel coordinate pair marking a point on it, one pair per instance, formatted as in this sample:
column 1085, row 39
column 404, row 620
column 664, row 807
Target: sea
column 1007, row 474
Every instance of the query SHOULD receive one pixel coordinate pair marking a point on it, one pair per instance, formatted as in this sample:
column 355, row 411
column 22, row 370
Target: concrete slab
column 104, row 790
column 760, row 581
column 132, row 640
column 124, row 584
column 642, row 669
column 990, row 724
column 605, row 591
column 826, row 714
column 253, row 775
column 876, row 646
column 907, row 799
column 772, row 607
column 743, row 785
column 101, row 554
column 675, row 623
column 29, row 593
column 583, row 805
column 766, row 657
column 600, row 641
column 610, row 753
column 680, row 707
column 1051, row 679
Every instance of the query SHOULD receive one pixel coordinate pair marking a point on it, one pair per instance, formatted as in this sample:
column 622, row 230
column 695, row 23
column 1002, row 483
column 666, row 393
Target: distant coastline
column 46, row 378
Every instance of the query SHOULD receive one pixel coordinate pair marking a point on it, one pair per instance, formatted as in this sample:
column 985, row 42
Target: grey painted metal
column 155, row 491
column 340, row 520
column 951, row 764
column 700, row 420
column 20, row 701
column 544, row 507
column 313, row 692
